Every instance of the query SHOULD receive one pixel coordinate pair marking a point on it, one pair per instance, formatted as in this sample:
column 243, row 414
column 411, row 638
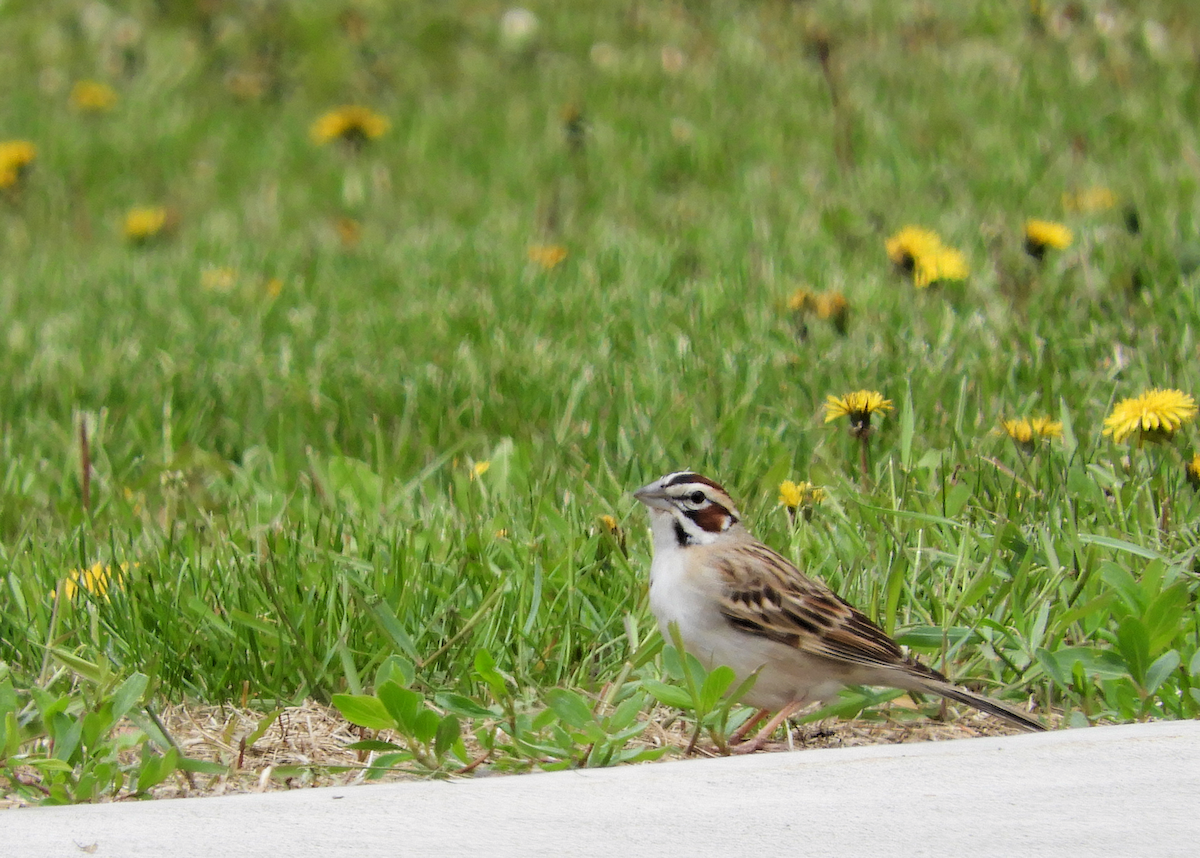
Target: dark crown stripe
column 688, row 477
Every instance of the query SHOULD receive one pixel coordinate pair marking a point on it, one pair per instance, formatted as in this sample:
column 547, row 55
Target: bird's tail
column 984, row 704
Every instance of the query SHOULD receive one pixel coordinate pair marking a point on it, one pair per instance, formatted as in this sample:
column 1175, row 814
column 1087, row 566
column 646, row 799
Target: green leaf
column 364, row 710
column 349, row 668
column 384, row 617
column 1069, row 442
column 448, row 733
column 202, row 767
column 89, row 670
column 385, row 761
column 1097, row 663
column 910, row 516
column 8, row 695
column 128, row 694
column 374, row 745
column 715, row 685
column 673, row 663
column 425, row 726
column 1134, row 643
column 1163, row 618
column 626, row 712
column 933, row 637
column 85, row 788
column 263, row 725
column 397, row 669
column 1120, row 579
column 463, row 706
column 1162, row 667
column 244, row 618
column 485, row 668
column 743, row 688
column 66, row 733
column 49, row 764
column 95, row 726
column 908, row 423
column 668, row 695
column 570, row 707
column 1053, row 667
column 154, row 768
column 402, row 704
column 1120, row 545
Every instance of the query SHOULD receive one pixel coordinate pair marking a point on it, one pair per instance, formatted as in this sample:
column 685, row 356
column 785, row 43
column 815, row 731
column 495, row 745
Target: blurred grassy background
column 285, row 396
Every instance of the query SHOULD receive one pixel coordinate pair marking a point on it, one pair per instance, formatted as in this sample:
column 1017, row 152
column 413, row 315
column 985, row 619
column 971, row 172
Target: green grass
column 286, row 480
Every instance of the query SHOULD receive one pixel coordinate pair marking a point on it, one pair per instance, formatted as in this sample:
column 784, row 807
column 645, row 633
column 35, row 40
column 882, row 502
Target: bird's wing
column 763, row 594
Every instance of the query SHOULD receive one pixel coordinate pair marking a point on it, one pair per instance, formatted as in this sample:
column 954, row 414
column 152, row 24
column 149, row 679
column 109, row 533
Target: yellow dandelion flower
column 145, row 223
column 939, row 265
column 350, row 123
column 1046, row 427
column 547, row 255
column 833, row 307
column 829, row 305
column 610, row 524
column 479, row 469
column 790, row 494
column 800, row 300
column 16, row 157
column 1026, row 430
column 274, row 287
column 1043, row 234
column 1154, row 416
column 802, row 496
column 910, row 244
column 1089, row 200
column 1191, row 470
column 95, row 580
column 920, row 252
column 1020, row 431
column 859, row 405
column 93, row 96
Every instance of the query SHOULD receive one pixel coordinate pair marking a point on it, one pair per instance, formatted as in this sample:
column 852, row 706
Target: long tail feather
column 985, row 704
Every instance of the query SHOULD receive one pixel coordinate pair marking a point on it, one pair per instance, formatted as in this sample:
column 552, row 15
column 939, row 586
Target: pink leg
column 765, row 733
column 740, row 732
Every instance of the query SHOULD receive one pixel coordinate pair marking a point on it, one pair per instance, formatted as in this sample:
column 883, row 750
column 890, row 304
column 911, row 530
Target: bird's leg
column 765, row 733
column 751, row 723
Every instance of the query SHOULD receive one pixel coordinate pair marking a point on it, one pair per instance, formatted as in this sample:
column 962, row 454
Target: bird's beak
column 653, row 496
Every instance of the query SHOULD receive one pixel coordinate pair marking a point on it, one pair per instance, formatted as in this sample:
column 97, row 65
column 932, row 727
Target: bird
column 739, row 603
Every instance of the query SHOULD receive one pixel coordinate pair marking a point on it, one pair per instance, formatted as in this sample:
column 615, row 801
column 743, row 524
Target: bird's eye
column 697, row 497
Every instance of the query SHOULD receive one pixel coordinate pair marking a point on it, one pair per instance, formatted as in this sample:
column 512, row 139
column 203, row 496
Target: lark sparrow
column 738, row 603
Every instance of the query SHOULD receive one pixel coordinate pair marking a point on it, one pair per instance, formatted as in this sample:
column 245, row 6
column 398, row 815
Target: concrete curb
column 1127, row 790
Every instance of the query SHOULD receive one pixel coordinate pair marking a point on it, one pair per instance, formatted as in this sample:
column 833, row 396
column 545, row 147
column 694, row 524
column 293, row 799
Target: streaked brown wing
column 766, row 595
